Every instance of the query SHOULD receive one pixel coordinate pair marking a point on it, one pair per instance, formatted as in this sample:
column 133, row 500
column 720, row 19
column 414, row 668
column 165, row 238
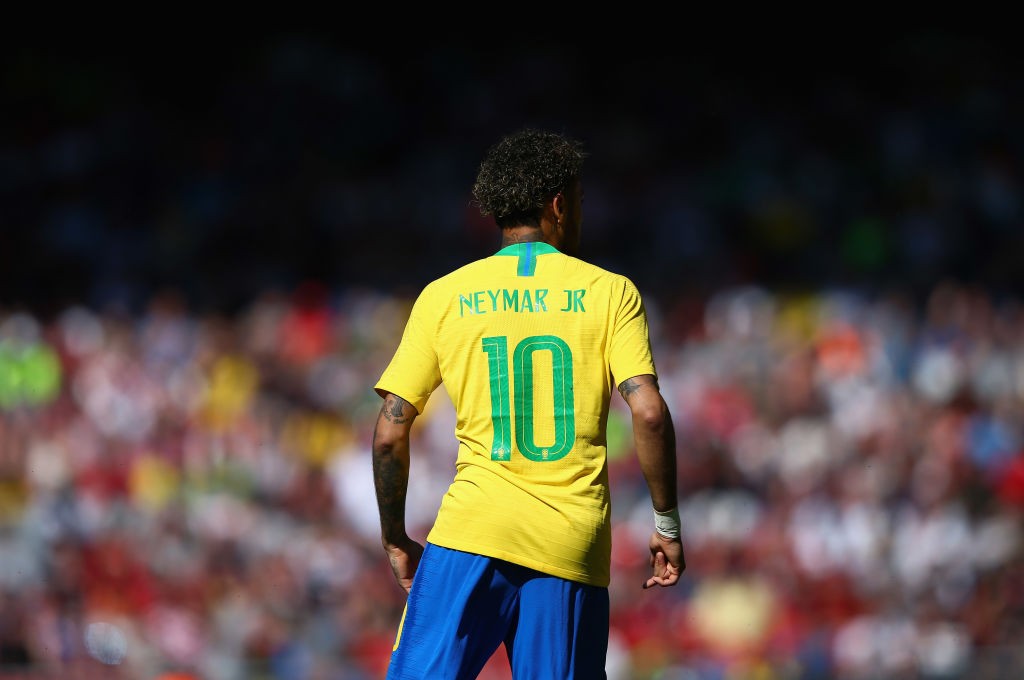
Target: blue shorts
column 462, row 606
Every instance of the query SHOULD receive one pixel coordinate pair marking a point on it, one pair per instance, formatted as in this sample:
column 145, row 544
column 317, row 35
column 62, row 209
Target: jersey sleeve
column 630, row 348
column 414, row 372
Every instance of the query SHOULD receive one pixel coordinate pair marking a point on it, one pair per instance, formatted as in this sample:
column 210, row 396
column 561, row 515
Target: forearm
column 655, row 441
column 654, row 437
column 391, row 466
column 391, row 481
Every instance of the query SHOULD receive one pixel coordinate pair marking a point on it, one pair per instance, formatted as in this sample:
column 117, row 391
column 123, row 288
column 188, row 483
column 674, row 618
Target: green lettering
column 464, row 304
column 494, row 300
column 478, row 297
column 511, row 301
column 539, row 296
column 565, row 411
column 527, row 302
column 568, row 301
column 577, row 300
column 496, row 349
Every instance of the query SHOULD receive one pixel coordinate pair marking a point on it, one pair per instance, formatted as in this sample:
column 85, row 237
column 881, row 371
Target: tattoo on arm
column 628, row 387
column 391, row 485
column 631, row 386
column 391, row 481
column 393, row 409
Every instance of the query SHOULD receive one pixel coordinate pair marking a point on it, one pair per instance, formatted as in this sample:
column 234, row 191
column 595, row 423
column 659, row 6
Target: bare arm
column 391, row 482
column 655, row 439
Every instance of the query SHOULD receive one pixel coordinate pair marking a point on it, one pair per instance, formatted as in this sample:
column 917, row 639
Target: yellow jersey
column 529, row 344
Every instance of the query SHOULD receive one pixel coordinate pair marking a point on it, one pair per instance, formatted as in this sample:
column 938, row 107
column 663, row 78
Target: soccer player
column 529, row 344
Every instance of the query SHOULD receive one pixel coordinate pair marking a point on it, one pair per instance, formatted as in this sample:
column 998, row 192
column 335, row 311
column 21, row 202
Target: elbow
column 386, row 442
column 653, row 418
column 383, row 449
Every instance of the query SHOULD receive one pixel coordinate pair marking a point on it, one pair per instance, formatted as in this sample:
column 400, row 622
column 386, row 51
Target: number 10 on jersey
column 523, row 390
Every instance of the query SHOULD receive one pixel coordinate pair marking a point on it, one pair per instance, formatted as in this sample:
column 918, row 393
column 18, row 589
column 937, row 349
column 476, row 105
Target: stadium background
column 207, row 256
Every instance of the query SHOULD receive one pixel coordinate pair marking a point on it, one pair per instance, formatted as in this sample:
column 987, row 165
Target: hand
column 404, row 557
column 667, row 561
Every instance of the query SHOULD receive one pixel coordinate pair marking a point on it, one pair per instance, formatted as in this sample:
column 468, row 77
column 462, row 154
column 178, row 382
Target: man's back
column 529, row 344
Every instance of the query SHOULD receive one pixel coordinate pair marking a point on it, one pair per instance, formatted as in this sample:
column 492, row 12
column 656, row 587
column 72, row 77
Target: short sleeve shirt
column 529, row 344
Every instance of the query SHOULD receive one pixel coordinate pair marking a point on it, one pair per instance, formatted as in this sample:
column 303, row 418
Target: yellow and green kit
column 529, row 344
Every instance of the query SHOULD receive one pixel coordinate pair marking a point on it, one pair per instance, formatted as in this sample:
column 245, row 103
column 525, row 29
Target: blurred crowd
column 188, row 495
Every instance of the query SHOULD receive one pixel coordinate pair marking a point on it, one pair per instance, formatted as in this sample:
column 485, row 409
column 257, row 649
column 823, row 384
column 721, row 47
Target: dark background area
column 224, row 167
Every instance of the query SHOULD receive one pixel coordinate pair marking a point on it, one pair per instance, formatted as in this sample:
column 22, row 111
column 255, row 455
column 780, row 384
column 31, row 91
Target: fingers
column 664, row 574
column 658, row 565
column 669, row 579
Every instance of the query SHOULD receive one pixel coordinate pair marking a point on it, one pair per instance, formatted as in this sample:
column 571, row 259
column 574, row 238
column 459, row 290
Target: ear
column 558, row 207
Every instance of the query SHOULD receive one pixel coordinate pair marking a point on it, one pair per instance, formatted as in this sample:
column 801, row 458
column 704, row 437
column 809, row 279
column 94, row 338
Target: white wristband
column 667, row 523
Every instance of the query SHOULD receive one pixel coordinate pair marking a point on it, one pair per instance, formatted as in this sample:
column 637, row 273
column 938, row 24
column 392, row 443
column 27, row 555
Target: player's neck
column 524, row 234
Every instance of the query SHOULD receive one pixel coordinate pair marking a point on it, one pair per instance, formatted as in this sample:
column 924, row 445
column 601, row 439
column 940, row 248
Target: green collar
column 527, row 253
column 539, row 248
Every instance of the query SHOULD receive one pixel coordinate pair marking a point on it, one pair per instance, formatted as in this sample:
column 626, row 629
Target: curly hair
column 524, row 170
